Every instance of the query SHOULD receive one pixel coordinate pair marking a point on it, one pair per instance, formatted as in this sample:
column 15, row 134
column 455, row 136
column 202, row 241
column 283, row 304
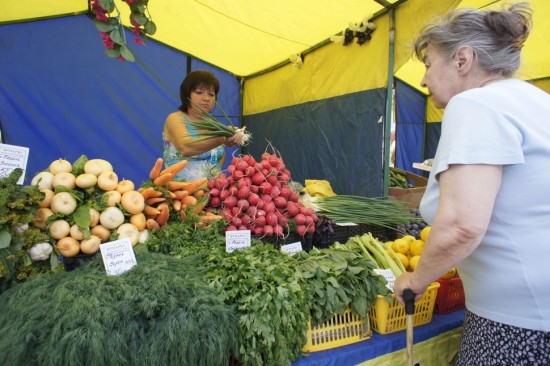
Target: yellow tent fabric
column 245, row 37
column 335, row 70
column 535, row 54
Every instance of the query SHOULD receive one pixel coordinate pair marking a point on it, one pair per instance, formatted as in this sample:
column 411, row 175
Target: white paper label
column 12, row 157
column 388, row 275
column 237, row 239
column 292, row 248
column 118, row 256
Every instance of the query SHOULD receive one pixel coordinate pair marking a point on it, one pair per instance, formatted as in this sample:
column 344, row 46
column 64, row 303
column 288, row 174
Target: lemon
column 409, row 238
column 416, row 247
column 400, row 245
column 403, row 258
column 413, row 262
column 450, row 274
column 425, row 232
column 388, row 244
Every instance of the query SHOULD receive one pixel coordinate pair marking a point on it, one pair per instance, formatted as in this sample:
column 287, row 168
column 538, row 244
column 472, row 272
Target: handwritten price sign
column 118, row 256
column 12, row 157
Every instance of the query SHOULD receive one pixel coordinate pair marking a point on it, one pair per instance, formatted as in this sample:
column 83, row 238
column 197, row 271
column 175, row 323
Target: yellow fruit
column 400, row 246
column 413, row 262
column 416, row 247
column 409, row 238
column 450, row 274
column 425, row 232
column 388, row 244
column 403, row 258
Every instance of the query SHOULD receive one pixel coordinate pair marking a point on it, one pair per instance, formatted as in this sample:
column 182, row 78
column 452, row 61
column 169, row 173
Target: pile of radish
column 255, row 195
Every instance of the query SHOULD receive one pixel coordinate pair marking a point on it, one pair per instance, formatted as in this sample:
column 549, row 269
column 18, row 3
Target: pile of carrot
column 166, row 194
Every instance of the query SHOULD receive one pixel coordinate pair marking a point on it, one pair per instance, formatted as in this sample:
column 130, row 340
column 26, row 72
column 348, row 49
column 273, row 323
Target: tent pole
column 389, row 103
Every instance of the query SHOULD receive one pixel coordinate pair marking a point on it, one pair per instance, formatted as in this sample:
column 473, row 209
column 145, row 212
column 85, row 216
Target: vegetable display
column 160, row 312
column 169, row 200
column 256, row 196
column 85, row 204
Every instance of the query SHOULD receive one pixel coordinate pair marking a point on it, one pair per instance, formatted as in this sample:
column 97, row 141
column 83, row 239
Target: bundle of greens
column 272, row 302
column 161, row 312
column 362, row 210
column 208, row 127
column 340, row 278
column 18, row 206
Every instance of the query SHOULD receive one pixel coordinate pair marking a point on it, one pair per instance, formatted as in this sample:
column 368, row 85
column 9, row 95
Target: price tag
column 118, row 256
column 388, row 275
column 236, row 239
column 291, row 248
column 12, row 157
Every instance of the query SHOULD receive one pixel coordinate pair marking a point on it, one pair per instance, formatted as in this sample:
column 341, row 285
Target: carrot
column 199, row 206
column 150, row 192
column 163, row 179
column 154, row 200
column 210, row 217
column 155, row 172
column 180, row 194
column 175, row 185
column 175, row 168
column 183, row 215
column 151, row 224
column 162, row 218
column 176, row 204
column 151, row 211
column 199, row 193
column 196, row 184
column 189, row 200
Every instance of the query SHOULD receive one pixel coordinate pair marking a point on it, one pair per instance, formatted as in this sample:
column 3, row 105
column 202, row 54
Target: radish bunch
column 255, row 195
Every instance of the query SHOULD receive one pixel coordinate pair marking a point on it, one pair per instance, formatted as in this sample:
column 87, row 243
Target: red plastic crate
column 450, row 296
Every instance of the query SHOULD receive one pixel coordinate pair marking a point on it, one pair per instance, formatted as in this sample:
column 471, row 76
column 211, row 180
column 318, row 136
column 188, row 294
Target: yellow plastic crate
column 385, row 318
column 339, row 331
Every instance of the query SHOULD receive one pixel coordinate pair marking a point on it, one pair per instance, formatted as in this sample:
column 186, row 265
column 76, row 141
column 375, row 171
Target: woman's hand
column 236, row 139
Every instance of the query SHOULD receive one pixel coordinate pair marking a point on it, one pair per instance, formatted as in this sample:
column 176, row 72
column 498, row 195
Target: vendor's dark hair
column 192, row 81
column 496, row 36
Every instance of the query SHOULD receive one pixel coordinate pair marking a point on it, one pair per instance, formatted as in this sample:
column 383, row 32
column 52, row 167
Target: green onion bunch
column 211, row 128
column 363, row 210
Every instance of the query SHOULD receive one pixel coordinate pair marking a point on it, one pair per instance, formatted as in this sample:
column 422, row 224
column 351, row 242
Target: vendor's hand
column 236, row 139
column 406, row 281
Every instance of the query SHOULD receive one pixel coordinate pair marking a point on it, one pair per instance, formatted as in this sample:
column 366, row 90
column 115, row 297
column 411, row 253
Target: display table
column 435, row 343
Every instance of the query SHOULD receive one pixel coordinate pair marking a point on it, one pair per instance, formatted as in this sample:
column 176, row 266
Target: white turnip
column 65, row 179
column 64, row 203
column 111, row 218
column 59, row 229
column 60, row 166
column 43, row 180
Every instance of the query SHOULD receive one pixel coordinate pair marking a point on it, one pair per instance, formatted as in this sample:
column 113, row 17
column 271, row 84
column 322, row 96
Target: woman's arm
column 467, row 196
column 176, row 131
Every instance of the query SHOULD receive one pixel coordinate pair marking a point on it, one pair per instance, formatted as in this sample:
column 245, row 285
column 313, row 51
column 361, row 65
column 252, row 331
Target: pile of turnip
column 255, row 195
column 86, row 204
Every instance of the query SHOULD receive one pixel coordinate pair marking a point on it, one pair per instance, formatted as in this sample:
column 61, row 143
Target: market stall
column 174, row 251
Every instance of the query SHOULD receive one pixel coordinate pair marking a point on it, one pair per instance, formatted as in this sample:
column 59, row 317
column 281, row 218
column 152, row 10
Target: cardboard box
column 410, row 196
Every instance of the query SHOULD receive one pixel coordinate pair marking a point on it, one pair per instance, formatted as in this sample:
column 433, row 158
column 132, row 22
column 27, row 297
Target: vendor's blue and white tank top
column 203, row 165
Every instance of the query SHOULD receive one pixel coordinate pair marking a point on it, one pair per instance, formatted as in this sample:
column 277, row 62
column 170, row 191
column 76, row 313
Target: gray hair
column 496, row 36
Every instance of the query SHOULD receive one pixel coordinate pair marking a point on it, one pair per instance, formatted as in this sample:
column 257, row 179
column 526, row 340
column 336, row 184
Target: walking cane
column 408, row 296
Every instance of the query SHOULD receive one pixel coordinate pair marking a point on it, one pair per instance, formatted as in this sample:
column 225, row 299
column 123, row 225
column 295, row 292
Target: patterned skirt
column 487, row 343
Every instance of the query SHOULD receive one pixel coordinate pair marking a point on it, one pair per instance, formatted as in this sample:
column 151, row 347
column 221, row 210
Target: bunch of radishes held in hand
column 255, row 195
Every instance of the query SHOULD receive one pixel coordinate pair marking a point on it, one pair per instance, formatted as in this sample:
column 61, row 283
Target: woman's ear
column 464, row 58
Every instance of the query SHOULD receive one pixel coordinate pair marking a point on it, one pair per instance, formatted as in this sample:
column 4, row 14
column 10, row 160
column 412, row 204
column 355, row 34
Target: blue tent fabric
column 410, row 124
column 316, row 143
column 69, row 99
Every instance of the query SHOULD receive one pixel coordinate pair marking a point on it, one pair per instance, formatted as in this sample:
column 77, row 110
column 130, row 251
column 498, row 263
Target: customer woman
column 198, row 93
column 487, row 197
